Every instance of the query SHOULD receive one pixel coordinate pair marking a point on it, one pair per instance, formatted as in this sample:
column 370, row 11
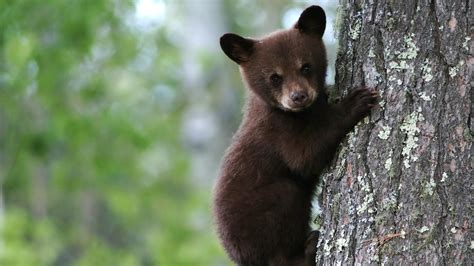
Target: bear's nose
column 299, row 97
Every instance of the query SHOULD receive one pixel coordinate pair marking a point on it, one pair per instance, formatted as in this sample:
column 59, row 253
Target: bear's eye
column 305, row 69
column 276, row 79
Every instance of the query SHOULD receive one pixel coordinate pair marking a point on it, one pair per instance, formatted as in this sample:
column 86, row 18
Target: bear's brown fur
column 262, row 198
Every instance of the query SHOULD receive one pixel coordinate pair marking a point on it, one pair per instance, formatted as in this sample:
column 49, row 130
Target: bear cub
column 289, row 133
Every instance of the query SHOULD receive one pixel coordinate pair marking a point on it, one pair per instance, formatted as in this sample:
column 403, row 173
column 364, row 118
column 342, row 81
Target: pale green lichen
column 411, row 130
column 427, row 76
column 390, row 21
column 388, row 163
column 390, row 88
column 453, row 230
column 351, row 137
column 375, row 257
column 336, row 197
column 444, row 176
column 409, row 52
column 371, row 53
column 472, row 245
column 390, row 201
column 369, row 198
column 341, row 243
column 356, row 28
column 429, row 187
column 338, row 20
column 327, row 247
column 384, row 133
column 382, row 104
column 423, row 229
column 317, row 222
column 465, row 43
column 424, row 97
column 395, row 65
column 403, row 233
column 400, row 205
column 350, row 210
column 342, row 157
column 453, row 71
column 449, row 244
column 426, row 70
column 364, row 185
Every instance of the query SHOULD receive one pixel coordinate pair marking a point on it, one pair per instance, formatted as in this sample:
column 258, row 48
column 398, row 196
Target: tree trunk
column 400, row 190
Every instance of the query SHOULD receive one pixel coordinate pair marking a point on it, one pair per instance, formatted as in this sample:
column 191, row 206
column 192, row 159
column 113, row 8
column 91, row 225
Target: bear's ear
column 236, row 47
column 312, row 21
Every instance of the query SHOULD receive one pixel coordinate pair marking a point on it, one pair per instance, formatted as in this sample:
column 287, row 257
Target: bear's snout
column 299, row 98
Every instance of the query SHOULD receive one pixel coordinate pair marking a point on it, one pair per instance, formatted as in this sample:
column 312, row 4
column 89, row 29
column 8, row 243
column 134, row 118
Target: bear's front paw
column 359, row 102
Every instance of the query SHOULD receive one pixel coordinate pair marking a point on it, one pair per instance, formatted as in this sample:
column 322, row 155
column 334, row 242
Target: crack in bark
column 356, row 44
column 370, row 129
column 374, row 11
column 353, row 239
column 470, row 123
column 437, row 34
column 441, row 192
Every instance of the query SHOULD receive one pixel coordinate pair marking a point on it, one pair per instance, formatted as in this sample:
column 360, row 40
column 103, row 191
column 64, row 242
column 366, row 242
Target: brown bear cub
column 262, row 199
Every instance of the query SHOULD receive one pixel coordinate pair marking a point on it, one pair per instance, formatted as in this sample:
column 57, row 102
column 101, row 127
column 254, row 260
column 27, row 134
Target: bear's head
column 286, row 69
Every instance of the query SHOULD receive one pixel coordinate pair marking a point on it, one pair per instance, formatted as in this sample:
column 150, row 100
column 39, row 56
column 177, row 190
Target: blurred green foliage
column 75, row 127
column 94, row 168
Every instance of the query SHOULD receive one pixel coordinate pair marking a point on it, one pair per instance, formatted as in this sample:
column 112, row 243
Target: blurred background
column 114, row 115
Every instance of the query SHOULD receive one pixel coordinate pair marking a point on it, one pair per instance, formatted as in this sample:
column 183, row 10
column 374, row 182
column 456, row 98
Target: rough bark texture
column 400, row 190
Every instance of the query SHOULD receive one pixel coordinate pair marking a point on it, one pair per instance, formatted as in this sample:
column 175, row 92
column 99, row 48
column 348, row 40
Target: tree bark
column 400, row 190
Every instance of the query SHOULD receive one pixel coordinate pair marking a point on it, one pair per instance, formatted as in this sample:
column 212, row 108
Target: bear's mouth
column 295, row 109
column 297, row 101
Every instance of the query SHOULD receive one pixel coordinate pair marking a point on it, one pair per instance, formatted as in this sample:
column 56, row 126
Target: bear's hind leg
column 307, row 258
